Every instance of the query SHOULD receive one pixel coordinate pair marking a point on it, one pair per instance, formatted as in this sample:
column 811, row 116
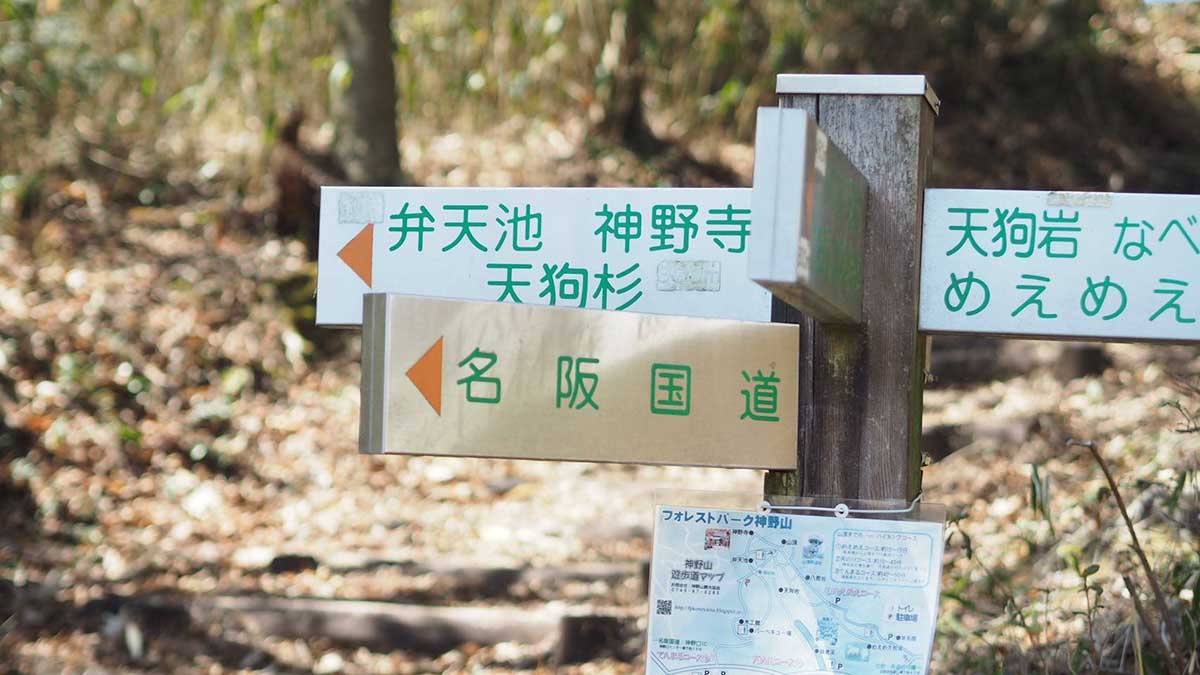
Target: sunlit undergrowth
column 1070, row 575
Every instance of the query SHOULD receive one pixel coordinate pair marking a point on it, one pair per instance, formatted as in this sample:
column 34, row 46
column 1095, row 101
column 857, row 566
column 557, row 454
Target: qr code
column 664, row 608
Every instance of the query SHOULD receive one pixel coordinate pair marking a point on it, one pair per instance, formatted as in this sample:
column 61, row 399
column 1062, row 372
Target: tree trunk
column 365, row 105
column 622, row 76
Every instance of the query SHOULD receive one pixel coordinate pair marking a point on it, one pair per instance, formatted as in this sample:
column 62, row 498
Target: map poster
column 735, row 592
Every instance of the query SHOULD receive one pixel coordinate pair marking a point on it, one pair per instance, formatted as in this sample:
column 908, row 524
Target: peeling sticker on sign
column 689, row 275
column 359, row 208
column 1077, row 200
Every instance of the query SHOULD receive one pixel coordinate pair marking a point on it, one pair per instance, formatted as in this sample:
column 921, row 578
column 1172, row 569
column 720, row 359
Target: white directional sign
column 486, row 379
column 810, row 207
column 1090, row 265
column 750, row 592
column 676, row 251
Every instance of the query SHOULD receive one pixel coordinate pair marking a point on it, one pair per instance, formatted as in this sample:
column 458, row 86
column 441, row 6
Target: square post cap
column 867, row 85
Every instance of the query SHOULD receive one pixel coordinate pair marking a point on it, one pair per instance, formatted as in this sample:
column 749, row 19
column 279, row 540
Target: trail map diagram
column 736, row 592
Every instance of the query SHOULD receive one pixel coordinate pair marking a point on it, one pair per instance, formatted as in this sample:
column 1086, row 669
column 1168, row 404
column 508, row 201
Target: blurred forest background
column 179, row 484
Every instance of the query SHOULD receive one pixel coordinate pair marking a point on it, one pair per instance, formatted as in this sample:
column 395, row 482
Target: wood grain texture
column 792, row 482
column 861, row 386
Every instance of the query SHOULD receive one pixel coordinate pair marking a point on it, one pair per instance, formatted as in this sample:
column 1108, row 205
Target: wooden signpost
column 861, row 383
column 834, row 241
column 839, row 227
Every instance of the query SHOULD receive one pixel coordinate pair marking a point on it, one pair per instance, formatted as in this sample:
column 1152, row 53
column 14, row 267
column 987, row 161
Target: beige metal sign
column 480, row 379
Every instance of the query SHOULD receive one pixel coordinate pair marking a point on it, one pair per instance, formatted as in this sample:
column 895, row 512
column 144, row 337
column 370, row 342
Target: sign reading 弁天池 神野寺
column 656, row 250
column 1100, row 265
column 486, row 379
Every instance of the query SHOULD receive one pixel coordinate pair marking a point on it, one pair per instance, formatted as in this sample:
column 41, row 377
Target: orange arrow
column 426, row 375
column 357, row 253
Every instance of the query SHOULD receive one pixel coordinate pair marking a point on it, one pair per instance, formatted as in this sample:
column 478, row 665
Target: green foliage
column 128, row 88
column 131, row 88
column 138, row 91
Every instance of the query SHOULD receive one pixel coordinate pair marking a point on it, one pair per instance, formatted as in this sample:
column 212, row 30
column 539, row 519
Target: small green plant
column 1162, row 636
column 1088, row 648
column 1016, row 615
column 1164, row 632
column 1039, row 496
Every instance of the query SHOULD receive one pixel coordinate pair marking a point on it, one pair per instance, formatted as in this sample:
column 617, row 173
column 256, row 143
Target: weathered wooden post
column 467, row 364
column 861, row 384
